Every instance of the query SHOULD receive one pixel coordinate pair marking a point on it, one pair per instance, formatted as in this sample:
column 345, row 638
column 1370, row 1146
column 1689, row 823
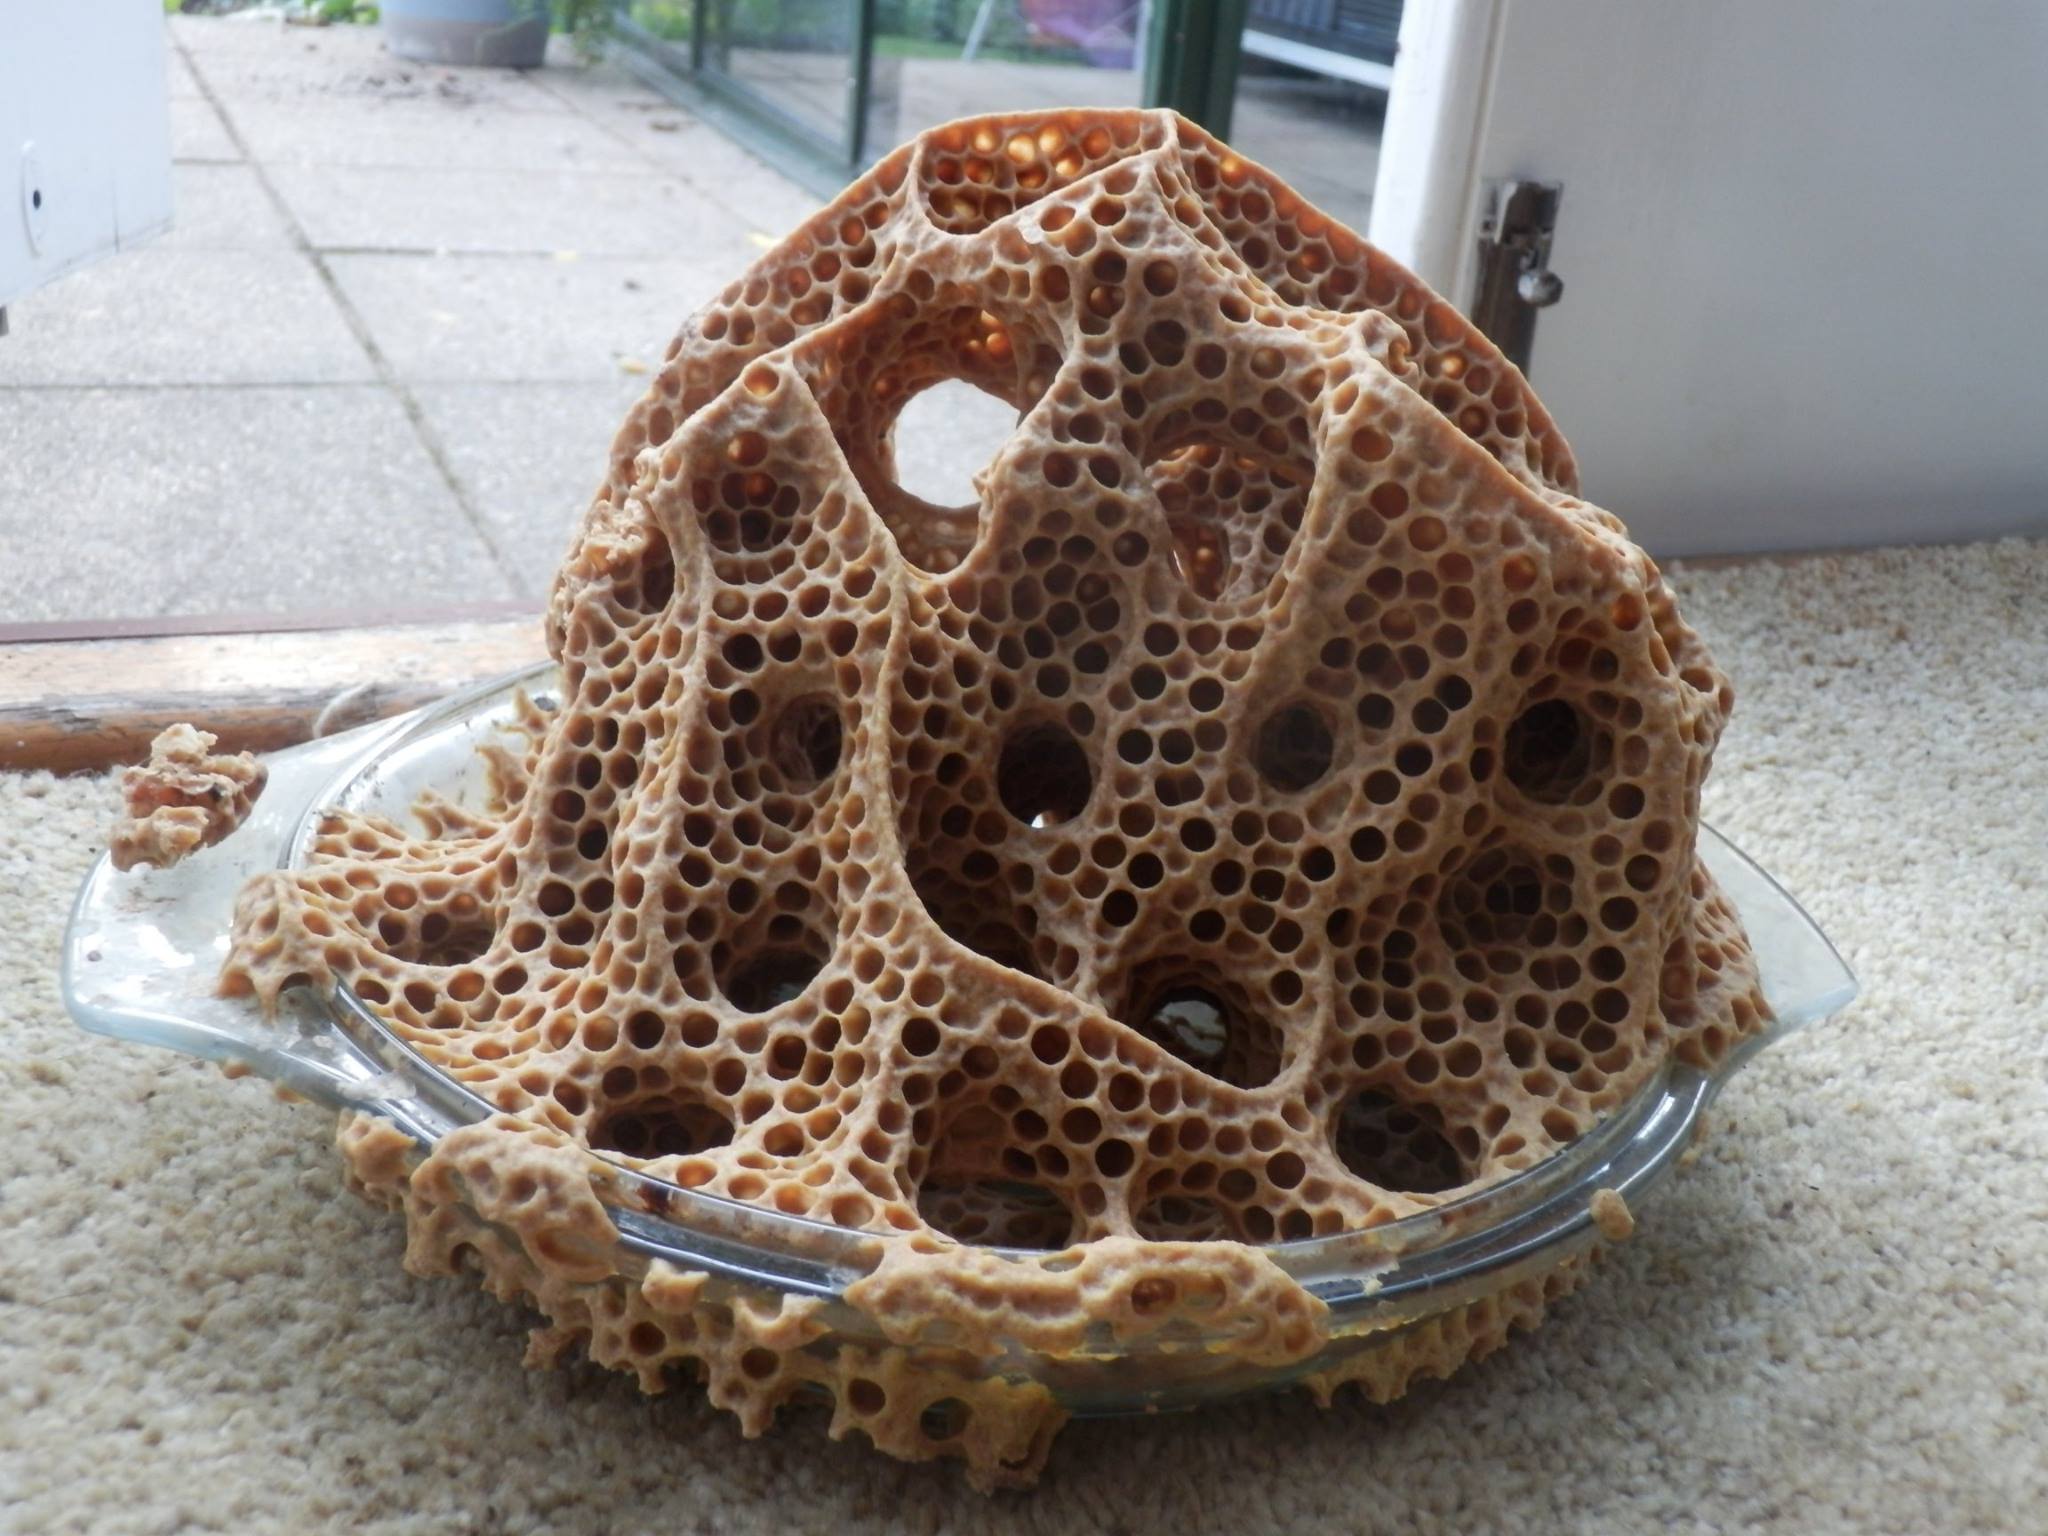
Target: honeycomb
column 1267, row 811
column 186, row 797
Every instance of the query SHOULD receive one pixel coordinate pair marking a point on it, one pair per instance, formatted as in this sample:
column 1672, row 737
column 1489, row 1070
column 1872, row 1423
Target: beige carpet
column 1838, row 1320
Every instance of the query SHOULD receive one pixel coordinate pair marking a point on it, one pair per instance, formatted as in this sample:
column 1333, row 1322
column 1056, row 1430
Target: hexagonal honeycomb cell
column 1265, row 812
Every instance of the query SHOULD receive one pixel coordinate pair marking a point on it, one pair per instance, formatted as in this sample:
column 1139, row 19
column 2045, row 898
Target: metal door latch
column 1515, row 279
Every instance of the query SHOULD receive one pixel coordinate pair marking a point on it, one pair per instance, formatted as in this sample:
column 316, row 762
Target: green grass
column 899, row 46
column 667, row 19
column 324, row 10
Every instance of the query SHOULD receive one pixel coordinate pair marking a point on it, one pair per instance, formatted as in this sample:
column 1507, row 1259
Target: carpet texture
column 1835, row 1320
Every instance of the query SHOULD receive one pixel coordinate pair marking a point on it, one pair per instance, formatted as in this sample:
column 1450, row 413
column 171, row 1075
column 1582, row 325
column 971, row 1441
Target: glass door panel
column 795, row 59
column 936, row 60
column 1312, row 96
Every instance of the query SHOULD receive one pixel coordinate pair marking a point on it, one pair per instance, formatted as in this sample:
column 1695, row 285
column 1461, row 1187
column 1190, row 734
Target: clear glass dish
column 144, row 949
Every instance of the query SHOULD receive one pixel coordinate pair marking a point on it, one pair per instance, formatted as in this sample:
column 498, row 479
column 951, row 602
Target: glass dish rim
column 1490, row 1210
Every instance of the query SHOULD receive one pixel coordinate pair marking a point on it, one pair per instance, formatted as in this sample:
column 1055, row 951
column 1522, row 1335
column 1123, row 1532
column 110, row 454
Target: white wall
column 84, row 82
column 1805, row 248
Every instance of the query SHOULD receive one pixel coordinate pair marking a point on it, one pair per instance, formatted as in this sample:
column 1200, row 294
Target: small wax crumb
column 183, row 799
column 1611, row 1215
column 1695, row 1145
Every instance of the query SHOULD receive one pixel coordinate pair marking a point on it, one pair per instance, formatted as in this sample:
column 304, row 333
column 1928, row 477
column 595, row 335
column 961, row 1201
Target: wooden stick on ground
column 83, row 705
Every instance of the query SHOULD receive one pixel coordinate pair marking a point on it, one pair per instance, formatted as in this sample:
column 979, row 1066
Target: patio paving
column 376, row 366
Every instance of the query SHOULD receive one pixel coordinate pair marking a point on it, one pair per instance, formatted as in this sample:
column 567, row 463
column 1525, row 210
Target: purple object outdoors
column 1102, row 29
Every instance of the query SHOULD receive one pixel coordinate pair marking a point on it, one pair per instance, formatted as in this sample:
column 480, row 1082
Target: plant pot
column 512, row 34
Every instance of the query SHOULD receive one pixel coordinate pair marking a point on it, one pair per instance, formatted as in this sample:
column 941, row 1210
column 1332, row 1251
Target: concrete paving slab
column 222, row 208
column 529, row 212
column 132, row 503
column 530, row 456
column 754, row 195
column 268, row 34
column 197, row 132
column 606, row 93
column 945, row 437
column 166, row 315
column 430, row 134
column 193, row 427
column 600, row 87
column 346, row 64
column 184, row 87
column 500, row 319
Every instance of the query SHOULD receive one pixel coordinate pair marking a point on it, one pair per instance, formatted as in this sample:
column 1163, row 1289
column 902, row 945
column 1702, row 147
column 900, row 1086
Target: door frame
column 1425, row 201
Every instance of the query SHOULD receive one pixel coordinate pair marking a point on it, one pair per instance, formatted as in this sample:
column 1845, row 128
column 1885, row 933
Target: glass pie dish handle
column 144, row 949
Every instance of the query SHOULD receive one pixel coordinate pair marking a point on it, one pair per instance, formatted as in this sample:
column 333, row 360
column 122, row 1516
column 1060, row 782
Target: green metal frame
column 1192, row 50
column 862, row 84
column 684, row 72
